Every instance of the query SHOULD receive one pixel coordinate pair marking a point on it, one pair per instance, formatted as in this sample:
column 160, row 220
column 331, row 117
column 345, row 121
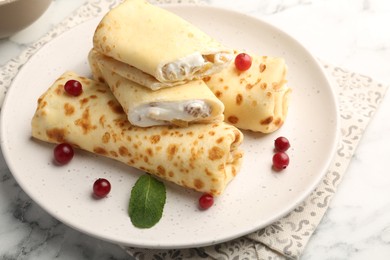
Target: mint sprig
column 147, row 201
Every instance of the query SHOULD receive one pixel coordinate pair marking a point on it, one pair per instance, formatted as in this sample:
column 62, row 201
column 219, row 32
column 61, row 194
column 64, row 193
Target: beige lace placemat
column 359, row 97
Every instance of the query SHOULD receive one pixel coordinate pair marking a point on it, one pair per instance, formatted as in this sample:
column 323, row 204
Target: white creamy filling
column 163, row 113
column 187, row 67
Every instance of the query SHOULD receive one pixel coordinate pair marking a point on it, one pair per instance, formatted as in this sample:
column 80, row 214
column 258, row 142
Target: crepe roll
column 159, row 43
column 256, row 99
column 191, row 102
column 125, row 71
column 202, row 157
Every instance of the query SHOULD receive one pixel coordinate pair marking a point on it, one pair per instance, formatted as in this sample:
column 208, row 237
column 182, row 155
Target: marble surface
column 350, row 34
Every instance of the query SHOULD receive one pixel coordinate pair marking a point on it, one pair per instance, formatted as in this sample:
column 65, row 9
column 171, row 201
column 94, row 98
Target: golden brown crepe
column 158, row 43
column 191, row 102
column 203, row 157
column 256, row 99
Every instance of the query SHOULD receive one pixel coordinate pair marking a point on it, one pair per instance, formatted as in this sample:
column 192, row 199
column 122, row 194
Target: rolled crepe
column 125, row 71
column 191, row 102
column 203, row 157
column 256, row 99
column 158, row 43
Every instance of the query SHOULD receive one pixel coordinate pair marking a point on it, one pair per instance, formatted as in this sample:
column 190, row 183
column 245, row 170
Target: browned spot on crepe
column 149, row 151
column 85, row 122
column 278, row 122
column 215, row 192
column 154, row 139
column 102, row 120
column 60, row 89
column 69, row 109
column 267, row 121
column 164, row 132
column 123, row 151
column 232, row 119
column 161, row 170
column 171, row 151
column 262, row 67
column 239, row 99
column 251, row 85
column 199, row 184
column 234, row 171
column 194, row 154
column 83, row 102
column 220, row 140
column 106, row 137
column 216, row 153
column 101, row 25
column 41, row 103
column 218, row 94
column 100, row 150
column 115, row 107
column 100, row 79
column 114, row 154
column 56, row 134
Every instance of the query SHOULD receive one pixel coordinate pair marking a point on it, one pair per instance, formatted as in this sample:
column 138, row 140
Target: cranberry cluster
column 280, row 160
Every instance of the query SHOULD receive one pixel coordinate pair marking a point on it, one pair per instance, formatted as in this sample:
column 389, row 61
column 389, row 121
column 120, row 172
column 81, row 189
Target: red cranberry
column 73, row 87
column 101, row 187
column 206, row 201
column 280, row 160
column 243, row 61
column 282, row 144
column 63, row 153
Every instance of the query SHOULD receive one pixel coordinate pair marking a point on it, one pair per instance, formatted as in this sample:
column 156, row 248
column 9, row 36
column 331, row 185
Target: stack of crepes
column 161, row 91
column 154, row 62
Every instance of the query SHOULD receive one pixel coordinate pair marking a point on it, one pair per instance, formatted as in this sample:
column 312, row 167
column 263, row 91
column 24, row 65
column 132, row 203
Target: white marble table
column 350, row 34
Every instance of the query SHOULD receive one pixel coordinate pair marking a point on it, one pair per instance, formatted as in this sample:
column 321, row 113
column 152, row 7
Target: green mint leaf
column 147, row 202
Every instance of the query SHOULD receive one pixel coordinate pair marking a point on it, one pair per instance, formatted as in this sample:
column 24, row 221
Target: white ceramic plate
column 254, row 199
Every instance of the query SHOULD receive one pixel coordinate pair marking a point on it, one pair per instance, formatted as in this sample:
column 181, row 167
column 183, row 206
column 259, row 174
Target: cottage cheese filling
column 190, row 66
column 163, row 113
